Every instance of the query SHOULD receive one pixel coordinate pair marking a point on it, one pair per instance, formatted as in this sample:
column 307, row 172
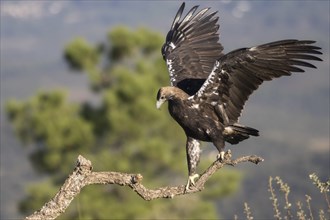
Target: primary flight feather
column 209, row 89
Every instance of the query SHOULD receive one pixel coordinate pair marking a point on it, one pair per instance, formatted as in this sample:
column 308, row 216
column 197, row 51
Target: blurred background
column 80, row 77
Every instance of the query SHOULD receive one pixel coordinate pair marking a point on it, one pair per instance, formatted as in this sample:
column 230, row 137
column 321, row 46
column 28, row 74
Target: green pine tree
column 124, row 132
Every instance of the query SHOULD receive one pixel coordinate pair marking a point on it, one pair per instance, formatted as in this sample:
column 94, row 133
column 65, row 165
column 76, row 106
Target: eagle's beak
column 159, row 103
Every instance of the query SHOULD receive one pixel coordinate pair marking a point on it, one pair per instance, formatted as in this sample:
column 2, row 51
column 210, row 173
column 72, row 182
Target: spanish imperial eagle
column 209, row 89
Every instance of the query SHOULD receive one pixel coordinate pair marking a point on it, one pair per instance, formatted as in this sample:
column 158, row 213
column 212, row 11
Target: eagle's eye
column 160, row 95
column 161, row 98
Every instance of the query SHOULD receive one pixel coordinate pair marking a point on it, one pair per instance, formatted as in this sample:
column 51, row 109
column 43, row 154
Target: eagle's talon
column 191, row 181
column 221, row 156
column 228, row 154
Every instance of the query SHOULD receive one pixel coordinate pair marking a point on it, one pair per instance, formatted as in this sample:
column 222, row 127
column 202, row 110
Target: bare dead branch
column 83, row 176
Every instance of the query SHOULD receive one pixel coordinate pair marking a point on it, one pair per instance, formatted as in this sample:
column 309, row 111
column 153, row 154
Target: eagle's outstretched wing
column 191, row 48
column 237, row 74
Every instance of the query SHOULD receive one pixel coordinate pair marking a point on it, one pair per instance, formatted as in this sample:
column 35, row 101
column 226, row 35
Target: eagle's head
column 162, row 96
column 169, row 93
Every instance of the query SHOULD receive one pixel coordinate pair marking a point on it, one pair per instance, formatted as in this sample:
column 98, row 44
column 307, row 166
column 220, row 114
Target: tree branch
column 83, row 176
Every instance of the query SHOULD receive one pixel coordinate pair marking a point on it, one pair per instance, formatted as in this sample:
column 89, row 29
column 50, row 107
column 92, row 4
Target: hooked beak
column 159, row 103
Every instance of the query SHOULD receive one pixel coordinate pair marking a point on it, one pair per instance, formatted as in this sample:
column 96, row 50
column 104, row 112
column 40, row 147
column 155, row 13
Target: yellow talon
column 191, row 181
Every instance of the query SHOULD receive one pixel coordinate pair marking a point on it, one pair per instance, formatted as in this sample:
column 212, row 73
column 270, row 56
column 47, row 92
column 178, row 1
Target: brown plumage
column 209, row 89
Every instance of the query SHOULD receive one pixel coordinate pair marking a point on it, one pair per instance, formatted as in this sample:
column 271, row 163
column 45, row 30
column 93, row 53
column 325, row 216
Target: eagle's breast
column 199, row 122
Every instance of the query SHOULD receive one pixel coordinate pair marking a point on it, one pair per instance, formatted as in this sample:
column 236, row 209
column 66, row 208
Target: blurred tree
column 123, row 133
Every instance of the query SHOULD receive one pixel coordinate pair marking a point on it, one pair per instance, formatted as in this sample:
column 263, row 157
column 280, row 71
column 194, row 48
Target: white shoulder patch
column 253, row 49
column 171, row 70
column 209, row 80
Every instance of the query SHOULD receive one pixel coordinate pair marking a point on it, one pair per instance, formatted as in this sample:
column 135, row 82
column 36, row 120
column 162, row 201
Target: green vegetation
column 124, row 132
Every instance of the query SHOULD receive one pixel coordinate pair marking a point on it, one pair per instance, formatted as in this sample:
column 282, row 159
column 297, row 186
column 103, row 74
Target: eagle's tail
column 236, row 133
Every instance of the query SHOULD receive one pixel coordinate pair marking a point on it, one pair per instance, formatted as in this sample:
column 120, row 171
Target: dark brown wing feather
column 191, row 48
column 237, row 74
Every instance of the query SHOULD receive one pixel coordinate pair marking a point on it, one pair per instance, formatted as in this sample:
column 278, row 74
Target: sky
column 34, row 33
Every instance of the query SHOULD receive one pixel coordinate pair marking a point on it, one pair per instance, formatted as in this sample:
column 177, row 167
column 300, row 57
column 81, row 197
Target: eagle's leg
column 220, row 145
column 193, row 154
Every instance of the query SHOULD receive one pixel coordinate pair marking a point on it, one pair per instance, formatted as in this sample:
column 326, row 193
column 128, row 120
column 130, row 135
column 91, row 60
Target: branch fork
column 83, row 176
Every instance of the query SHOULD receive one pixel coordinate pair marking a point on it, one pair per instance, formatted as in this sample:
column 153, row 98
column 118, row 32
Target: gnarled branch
column 83, row 176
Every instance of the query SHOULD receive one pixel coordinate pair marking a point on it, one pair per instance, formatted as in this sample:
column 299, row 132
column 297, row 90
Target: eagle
column 208, row 89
